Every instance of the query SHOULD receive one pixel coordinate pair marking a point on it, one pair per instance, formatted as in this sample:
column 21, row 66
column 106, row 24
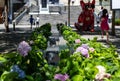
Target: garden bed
column 80, row 60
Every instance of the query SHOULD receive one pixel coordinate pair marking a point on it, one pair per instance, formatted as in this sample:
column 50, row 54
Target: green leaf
column 77, row 78
column 30, row 78
column 8, row 76
column 116, row 79
column 2, row 59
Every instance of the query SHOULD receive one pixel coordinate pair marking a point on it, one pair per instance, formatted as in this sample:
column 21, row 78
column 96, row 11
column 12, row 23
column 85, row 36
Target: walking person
column 73, row 1
column 104, row 24
column 37, row 21
column 31, row 21
column 100, row 13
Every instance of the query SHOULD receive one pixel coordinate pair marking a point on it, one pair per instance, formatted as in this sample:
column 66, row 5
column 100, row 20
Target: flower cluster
column 21, row 73
column 101, row 74
column 77, row 41
column 85, row 46
column 84, row 49
column 61, row 77
column 91, row 49
column 31, row 42
column 24, row 48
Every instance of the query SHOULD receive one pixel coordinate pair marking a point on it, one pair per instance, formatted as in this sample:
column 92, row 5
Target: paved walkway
column 9, row 41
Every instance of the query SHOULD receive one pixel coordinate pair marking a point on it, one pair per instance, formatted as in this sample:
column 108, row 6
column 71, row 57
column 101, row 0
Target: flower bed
column 82, row 60
column 90, row 60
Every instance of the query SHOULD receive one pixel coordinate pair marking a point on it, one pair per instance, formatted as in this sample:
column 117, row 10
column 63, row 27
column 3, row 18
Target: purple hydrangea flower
column 61, row 77
column 87, row 55
column 79, row 49
column 24, row 48
column 85, row 46
column 83, row 51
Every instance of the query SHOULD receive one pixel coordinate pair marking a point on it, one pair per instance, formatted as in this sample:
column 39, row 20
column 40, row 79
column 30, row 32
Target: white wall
column 65, row 2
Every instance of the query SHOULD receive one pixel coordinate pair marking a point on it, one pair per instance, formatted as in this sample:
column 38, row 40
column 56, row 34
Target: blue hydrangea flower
column 15, row 68
column 21, row 73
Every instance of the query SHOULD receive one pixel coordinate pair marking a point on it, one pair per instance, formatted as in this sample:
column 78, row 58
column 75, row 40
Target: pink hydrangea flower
column 101, row 74
column 61, row 77
column 24, row 48
column 91, row 49
column 77, row 41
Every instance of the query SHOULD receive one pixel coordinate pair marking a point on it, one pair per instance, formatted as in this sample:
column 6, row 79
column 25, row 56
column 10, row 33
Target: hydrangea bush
column 28, row 62
column 89, row 60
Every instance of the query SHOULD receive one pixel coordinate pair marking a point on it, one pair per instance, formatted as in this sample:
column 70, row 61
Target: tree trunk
column 6, row 16
column 113, row 23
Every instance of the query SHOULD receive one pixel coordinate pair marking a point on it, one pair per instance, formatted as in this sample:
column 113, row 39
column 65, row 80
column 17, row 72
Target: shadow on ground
column 114, row 40
column 9, row 41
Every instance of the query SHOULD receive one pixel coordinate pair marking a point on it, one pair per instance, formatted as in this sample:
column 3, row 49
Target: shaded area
column 9, row 41
column 114, row 40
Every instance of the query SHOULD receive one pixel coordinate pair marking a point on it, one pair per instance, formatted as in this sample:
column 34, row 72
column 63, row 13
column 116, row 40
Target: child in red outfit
column 104, row 24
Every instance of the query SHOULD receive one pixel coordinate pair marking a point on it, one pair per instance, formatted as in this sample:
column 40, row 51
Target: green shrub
column 45, row 30
column 117, row 21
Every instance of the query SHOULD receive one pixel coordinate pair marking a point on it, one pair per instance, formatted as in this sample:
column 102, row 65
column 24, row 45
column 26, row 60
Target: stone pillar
column 69, row 12
column 11, row 11
column 39, row 3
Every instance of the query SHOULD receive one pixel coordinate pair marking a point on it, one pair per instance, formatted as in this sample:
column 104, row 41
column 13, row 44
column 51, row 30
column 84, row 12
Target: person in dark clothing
column 31, row 20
